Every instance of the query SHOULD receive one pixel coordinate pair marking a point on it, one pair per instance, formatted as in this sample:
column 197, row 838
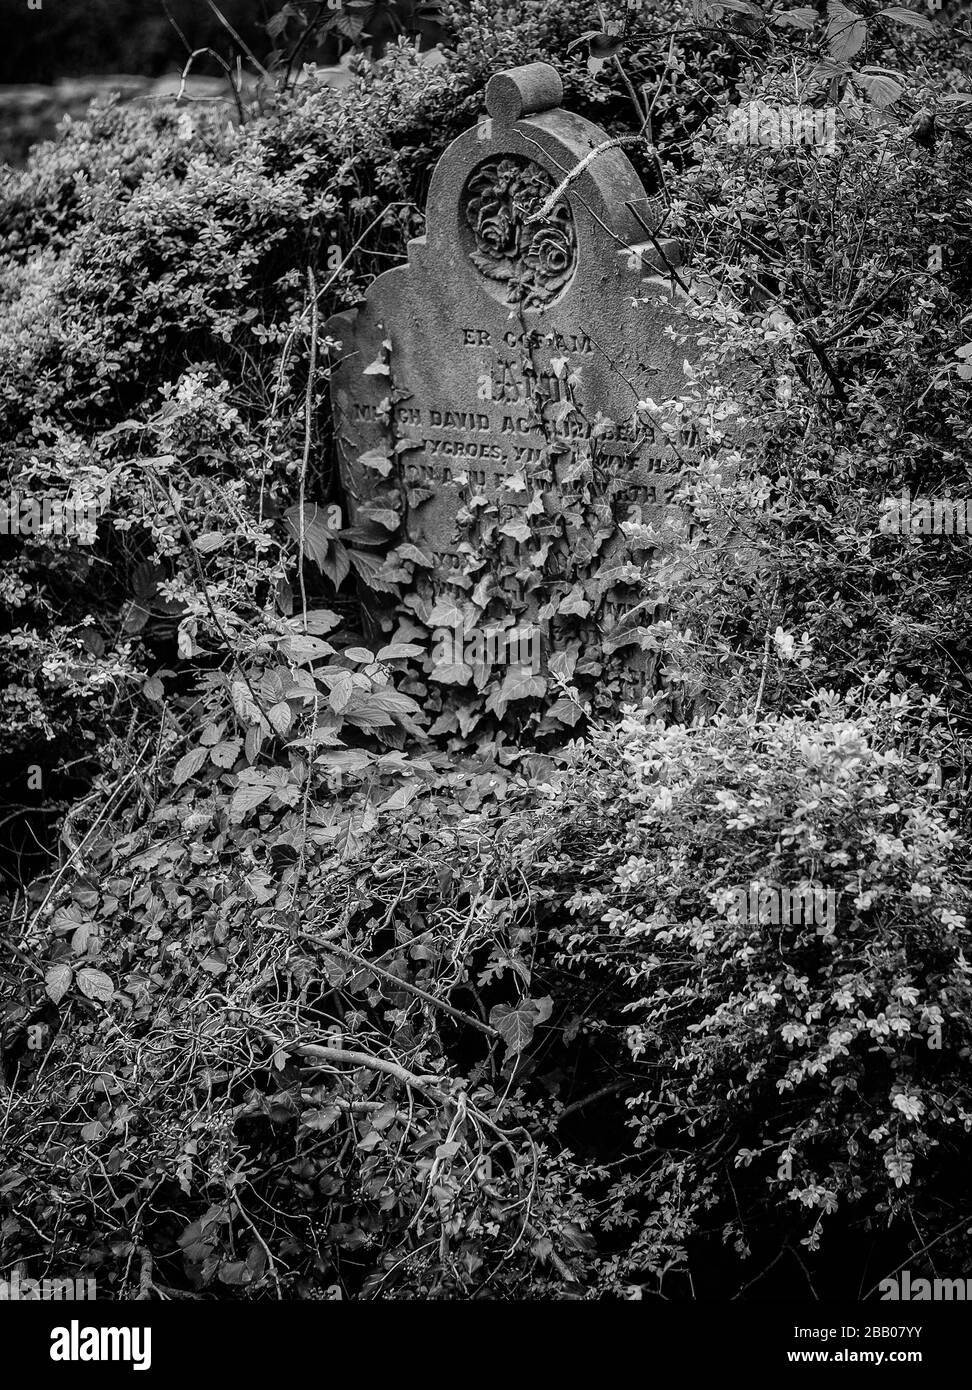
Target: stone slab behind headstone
column 486, row 393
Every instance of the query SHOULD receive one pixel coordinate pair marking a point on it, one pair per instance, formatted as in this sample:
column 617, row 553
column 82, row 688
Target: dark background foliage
column 79, row 38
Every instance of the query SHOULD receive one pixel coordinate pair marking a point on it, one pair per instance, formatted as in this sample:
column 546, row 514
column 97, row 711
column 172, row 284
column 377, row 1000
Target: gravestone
column 493, row 402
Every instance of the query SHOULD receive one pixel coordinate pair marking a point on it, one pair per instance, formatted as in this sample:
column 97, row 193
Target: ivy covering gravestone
column 494, row 404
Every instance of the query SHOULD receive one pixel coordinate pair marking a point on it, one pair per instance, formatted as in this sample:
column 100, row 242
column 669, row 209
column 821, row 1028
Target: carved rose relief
column 532, row 262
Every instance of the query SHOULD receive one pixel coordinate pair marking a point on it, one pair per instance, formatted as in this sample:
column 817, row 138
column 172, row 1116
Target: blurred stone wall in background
column 30, row 112
column 56, row 59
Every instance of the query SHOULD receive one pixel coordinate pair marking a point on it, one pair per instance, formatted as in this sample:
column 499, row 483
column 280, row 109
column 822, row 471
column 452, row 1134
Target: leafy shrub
column 294, row 1093
column 789, row 1082
column 531, row 1049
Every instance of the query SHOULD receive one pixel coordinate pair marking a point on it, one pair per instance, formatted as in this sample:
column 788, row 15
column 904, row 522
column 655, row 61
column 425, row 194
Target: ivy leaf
column 341, row 690
column 562, row 664
column 881, row 88
column 575, row 602
column 243, row 702
column 260, row 883
column 81, row 938
column 136, row 616
column 846, row 31
column 565, row 711
column 543, row 1007
column 317, row 622
column 415, row 555
column 521, row 684
column 324, row 733
column 303, row 648
column 379, row 708
column 400, row 799
column 905, row 16
column 188, row 765
column 68, row 919
column 281, row 717
column 282, row 857
column 95, row 984
column 377, row 368
column 352, row 26
column 417, row 496
column 345, row 759
column 517, row 529
column 319, row 535
column 445, row 614
column 251, row 791
column 451, row 673
column 827, row 71
column 235, row 1272
column 621, row 637
column 383, row 1118
column 369, row 567
column 396, row 651
column 383, row 516
column 226, row 753
column 515, row 1024
column 58, row 981
column 320, row 1120
column 378, row 460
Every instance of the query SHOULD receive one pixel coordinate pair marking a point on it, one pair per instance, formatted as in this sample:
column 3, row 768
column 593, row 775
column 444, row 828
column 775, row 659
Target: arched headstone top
column 494, row 177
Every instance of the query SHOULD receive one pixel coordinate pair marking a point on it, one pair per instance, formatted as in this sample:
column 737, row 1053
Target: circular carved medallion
column 529, row 263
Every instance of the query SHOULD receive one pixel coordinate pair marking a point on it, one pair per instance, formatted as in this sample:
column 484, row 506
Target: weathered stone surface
column 486, row 395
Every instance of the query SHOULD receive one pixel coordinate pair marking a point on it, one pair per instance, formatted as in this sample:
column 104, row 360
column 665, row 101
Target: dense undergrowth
column 318, row 996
